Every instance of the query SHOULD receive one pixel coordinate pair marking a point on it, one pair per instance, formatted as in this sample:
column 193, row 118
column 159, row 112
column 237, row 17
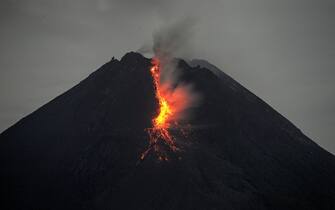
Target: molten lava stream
column 162, row 122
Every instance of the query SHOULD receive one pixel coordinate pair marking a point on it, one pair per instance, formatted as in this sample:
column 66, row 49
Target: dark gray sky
column 282, row 50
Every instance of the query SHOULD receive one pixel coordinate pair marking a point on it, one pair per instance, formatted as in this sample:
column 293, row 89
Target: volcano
column 82, row 150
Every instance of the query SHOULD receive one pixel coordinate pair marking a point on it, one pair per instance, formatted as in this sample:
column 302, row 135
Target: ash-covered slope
column 81, row 150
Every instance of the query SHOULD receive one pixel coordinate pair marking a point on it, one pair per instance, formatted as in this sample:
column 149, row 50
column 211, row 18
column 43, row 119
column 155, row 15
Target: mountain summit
column 82, row 149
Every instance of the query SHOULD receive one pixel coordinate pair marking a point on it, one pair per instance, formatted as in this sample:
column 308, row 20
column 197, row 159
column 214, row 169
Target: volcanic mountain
column 82, row 149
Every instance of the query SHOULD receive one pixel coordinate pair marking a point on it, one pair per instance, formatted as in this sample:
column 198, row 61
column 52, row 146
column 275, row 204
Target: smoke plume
column 170, row 42
column 174, row 40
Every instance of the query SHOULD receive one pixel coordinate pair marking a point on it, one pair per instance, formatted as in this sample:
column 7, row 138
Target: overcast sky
column 282, row 50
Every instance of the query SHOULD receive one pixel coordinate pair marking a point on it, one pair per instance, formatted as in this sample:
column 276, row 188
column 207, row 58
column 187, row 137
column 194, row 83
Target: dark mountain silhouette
column 81, row 150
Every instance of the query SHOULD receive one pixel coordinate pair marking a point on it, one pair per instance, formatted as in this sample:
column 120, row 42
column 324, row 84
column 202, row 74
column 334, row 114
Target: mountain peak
column 82, row 149
column 134, row 56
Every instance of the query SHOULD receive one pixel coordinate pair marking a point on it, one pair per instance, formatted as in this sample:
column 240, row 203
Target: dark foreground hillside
column 81, row 150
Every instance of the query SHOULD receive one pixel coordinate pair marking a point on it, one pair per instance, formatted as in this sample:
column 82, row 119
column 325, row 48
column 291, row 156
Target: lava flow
column 162, row 122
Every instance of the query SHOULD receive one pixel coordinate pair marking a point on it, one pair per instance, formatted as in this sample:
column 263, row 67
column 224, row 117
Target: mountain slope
column 81, row 150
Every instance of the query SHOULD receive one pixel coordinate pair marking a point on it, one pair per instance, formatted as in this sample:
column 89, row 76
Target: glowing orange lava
column 165, row 111
column 162, row 122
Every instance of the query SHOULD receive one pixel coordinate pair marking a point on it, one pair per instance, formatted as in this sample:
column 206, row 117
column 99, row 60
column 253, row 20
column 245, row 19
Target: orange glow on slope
column 166, row 115
column 175, row 99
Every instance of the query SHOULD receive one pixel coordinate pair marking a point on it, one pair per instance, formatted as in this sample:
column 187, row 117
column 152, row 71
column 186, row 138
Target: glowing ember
column 174, row 99
column 165, row 111
column 166, row 114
